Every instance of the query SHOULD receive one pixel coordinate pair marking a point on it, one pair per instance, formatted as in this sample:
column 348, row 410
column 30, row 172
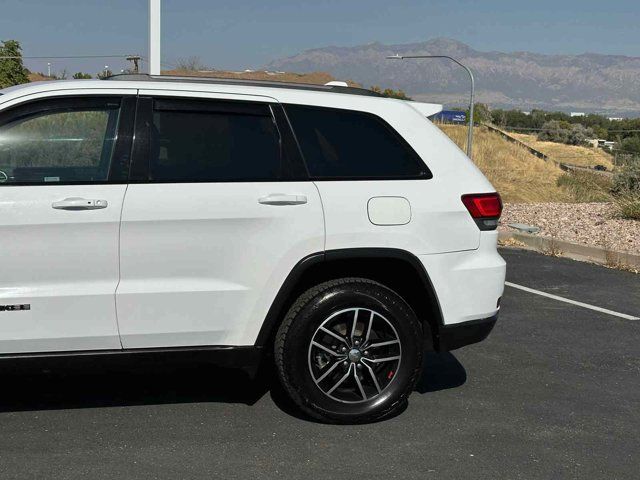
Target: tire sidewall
column 369, row 295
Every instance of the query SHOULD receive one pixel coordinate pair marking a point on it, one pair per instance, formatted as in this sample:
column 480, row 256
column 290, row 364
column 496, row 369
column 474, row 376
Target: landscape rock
column 595, row 224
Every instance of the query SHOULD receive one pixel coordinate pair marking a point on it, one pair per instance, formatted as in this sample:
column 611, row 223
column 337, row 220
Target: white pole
column 154, row 37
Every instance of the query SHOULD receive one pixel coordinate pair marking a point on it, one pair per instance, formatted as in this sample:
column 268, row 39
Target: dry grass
column 628, row 206
column 36, row 77
column 519, row 176
column 511, row 242
column 584, row 156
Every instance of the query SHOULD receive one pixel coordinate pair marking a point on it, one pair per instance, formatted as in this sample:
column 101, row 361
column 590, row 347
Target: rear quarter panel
column 439, row 221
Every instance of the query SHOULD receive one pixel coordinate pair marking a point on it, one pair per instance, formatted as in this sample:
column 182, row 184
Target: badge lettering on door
column 14, row 308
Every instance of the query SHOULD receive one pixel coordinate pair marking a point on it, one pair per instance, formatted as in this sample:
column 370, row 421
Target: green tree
column 12, row 71
column 499, row 117
column 481, row 113
column 82, row 76
column 630, row 145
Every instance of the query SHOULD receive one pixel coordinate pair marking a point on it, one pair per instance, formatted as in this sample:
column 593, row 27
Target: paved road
column 553, row 393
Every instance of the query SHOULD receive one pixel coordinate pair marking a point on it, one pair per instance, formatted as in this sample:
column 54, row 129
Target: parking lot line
column 572, row 302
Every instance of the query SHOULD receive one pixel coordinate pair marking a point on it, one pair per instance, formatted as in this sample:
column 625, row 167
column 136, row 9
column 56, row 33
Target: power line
column 131, row 58
column 52, row 57
column 531, row 129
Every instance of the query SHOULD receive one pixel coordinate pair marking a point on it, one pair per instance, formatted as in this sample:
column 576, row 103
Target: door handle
column 76, row 203
column 283, row 199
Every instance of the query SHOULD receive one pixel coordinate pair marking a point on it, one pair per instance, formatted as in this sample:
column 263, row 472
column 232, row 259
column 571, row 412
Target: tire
column 374, row 358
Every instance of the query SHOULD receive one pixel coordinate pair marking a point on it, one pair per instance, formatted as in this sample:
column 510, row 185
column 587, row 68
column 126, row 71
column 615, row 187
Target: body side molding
column 245, row 357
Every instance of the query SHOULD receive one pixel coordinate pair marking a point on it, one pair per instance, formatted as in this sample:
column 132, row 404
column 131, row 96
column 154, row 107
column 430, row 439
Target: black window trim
column 120, row 156
column 289, row 144
column 214, row 105
column 140, row 167
column 427, row 175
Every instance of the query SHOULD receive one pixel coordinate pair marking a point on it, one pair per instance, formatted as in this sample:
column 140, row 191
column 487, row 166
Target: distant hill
column 316, row 78
column 588, row 82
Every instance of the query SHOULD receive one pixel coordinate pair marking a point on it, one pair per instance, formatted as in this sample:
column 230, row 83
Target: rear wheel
column 349, row 351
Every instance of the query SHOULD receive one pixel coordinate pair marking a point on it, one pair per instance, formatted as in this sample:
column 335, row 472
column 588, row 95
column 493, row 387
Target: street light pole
column 154, row 37
column 473, row 88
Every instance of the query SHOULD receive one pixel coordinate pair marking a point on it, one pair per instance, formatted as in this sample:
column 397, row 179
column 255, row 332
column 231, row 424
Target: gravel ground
column 587, row 223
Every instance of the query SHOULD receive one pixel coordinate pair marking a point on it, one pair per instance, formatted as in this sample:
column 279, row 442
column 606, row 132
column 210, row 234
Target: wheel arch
column 397, row 269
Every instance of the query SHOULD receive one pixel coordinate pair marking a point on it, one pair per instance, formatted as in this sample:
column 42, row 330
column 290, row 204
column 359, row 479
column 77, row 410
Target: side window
column 68, row 140
column 345, row 144
column 214, row 141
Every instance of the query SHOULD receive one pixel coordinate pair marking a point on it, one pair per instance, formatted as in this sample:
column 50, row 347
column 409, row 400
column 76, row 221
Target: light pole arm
column 472, row 96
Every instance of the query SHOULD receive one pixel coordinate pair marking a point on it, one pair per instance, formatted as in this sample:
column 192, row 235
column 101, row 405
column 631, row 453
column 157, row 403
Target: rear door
column 63, row 169
column 376, row 189
column 218, row 211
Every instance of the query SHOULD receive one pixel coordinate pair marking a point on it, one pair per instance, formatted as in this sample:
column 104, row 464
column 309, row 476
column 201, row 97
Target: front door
column 218, row 212
column 63, row 168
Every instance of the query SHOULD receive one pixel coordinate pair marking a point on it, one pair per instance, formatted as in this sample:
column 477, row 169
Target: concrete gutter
column 575, row 251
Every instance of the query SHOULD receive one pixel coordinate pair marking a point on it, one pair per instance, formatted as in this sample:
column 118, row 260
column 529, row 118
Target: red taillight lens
column 485, row 208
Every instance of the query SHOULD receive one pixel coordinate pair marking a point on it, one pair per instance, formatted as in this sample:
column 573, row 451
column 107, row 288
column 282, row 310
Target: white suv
column 332, row 231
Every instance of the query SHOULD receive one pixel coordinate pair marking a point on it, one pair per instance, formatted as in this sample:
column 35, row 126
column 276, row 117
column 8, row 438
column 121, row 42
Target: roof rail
column 138, row 77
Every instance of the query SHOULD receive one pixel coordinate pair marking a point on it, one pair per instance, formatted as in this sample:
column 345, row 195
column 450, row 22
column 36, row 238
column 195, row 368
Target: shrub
column 554, row 131
column 564, row 132
column 579, row 134
column 630, row 145
column 586, row 186
column 626, row 188
column 629, row 206
column 626, row 181
column 391, row 93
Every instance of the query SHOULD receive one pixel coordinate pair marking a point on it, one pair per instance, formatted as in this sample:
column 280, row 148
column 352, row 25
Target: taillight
column 485, row 208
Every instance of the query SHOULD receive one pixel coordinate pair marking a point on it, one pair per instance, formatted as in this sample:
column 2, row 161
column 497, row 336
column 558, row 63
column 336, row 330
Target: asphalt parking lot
column 554, row 392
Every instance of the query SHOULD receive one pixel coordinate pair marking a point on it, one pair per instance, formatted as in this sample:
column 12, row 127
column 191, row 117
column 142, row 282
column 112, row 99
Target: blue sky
column 248, row 33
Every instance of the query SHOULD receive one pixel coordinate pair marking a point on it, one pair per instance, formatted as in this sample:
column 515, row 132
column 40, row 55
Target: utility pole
column 135, row 59
column 154, row 37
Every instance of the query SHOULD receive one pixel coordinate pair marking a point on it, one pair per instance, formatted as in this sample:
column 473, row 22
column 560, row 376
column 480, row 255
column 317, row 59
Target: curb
column 575, row 251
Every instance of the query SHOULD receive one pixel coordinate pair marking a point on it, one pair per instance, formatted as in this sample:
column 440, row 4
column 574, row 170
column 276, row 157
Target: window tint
column 213, row 141
column 349, row 144
column 60, row 141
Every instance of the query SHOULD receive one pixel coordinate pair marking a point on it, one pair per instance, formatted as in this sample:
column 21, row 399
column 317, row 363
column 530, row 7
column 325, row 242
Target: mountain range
column 588, row 82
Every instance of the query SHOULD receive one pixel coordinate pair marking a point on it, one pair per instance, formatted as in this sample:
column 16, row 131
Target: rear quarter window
column 347, row 144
